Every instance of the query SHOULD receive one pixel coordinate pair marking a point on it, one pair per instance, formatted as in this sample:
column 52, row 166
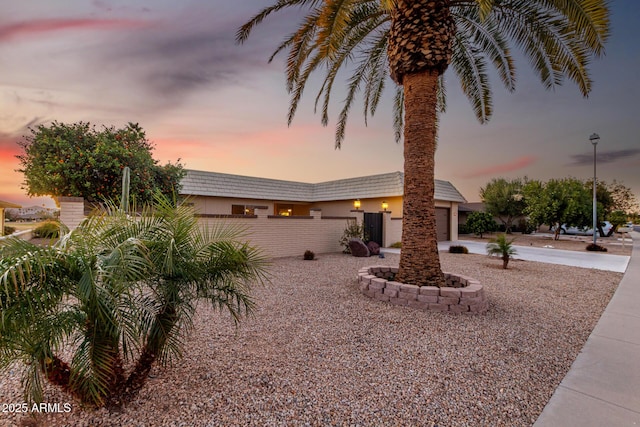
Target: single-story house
column 217, row 194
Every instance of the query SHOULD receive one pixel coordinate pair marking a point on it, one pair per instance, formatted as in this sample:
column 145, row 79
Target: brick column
column 262, row 212
column 386, row 227
column 71, row 211
column 359, row 214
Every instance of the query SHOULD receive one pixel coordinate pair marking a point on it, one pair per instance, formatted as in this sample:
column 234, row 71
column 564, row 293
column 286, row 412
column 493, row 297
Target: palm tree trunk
column 505, row 261
column 57, row 371
column 419, row 259
column 163, row 325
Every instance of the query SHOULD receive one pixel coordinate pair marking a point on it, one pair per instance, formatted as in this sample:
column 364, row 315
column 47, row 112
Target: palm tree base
column 461, row 295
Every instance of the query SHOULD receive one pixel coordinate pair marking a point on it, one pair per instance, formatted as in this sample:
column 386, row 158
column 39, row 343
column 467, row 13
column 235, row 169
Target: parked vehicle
column 584, row 231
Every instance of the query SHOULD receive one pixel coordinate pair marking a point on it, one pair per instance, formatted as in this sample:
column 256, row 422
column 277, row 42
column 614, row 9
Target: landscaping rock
column 358, row 248
column 374, row 248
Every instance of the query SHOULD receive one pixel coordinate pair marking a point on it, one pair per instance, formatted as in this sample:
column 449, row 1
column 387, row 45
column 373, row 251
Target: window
column 291, row 209
column 242, row 210
column 284, row 209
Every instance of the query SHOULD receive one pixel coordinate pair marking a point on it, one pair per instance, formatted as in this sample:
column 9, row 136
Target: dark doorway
column 373, row 226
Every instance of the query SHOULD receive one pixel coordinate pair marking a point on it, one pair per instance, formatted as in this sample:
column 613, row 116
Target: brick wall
column 280, row 236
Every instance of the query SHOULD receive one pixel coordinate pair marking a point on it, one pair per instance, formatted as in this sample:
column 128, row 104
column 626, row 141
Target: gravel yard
column 317, row 352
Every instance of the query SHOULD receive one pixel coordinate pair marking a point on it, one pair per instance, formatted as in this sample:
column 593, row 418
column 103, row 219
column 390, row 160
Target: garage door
column 442, row 224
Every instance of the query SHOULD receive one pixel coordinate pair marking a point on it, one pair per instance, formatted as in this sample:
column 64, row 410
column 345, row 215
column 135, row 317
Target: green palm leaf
column 557, row 36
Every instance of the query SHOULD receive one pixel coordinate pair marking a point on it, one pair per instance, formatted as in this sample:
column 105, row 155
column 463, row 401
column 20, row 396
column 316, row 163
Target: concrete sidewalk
column 602, row 388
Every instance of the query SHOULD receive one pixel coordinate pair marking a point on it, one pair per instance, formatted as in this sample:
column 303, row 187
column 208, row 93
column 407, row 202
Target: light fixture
column 385, row 205
column 356, row 204
column 594, row 138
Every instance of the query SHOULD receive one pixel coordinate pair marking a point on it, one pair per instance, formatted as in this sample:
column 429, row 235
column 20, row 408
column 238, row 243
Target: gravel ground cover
column 318, row 353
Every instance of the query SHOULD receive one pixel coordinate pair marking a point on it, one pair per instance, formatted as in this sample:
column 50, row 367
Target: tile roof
column 201, row 183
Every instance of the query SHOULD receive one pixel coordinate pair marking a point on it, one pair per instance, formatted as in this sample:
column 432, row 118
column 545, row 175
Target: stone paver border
column 461, row 295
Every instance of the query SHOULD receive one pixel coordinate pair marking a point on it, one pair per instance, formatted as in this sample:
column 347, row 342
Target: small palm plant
column 502, row 247
column 117, row 291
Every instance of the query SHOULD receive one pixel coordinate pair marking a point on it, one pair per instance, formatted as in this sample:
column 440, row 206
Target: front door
column 373, row 227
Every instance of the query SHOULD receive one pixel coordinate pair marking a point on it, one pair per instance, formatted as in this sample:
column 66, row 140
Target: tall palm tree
column 418, row 40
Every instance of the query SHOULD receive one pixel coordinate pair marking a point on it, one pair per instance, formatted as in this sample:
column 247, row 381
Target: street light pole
column 594, row 138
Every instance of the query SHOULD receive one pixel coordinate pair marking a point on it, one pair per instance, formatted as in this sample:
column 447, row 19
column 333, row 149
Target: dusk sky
column 174, row 68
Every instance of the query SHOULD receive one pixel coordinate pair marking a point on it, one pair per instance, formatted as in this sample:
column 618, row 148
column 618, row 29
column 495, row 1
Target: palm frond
column 558, row 37
column 471, row 68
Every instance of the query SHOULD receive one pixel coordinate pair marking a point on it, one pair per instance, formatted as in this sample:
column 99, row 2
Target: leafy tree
column 502, row 247
column 418, row 39
column 480, row 222
column 617, row 218
column 118, row 291
column 622, row 197
column 11, row 214
column 504, row 199
column 604, row 198
column 78, row 160
column 559, row 201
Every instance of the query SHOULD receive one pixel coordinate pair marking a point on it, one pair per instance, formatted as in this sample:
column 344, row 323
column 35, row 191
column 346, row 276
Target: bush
column 480, row 223
column 47, row 230
column 353, row 230
column 309, row 255
column 596, row 248
column 526, row 227
column 9, row 230
column 458, row 249
column 396, row 245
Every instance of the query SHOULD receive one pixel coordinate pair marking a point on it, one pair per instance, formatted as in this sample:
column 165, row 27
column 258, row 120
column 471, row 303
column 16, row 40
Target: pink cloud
column 19, row 29
column 517, row 164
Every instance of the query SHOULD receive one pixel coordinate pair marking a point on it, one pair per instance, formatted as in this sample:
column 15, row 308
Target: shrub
column 596, row 248
column 309, row 255
column 396, row 245
column 527, row 227
column 458, row 249
column 47, row 230
column 353, row 230
column 480, row 223
column 9, row 230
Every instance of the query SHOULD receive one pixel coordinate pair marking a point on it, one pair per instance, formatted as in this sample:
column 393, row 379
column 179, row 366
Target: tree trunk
column 164, row 323
column 419, row 258
column 57, row 372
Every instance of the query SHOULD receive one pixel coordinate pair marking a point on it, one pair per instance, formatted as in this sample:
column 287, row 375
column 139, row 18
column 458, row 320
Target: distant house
column 464, row 209
column 33, row 213
column 215, row 194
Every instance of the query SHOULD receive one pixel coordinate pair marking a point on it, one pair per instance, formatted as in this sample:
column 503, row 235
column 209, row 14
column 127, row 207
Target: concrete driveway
column 584, row 259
